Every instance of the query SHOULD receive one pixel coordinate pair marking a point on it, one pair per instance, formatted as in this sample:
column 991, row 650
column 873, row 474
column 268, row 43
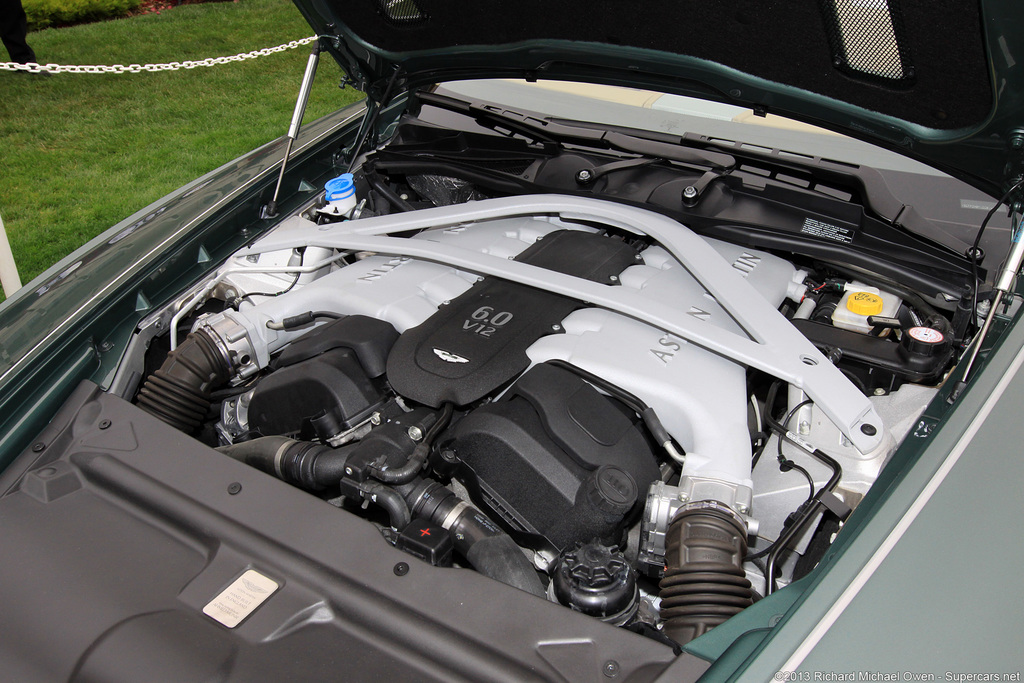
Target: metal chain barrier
column 138, row 68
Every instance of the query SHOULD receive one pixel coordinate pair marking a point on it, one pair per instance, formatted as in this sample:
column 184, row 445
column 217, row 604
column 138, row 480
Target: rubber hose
column 412, row 466
column 307, row 464
column 314, row 466
column 704, row 581
column 490, row 550
column 179, row 392
column 390, row 195
column 390, row 500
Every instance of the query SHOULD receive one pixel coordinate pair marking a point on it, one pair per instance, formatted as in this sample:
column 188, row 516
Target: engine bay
column 575, row 394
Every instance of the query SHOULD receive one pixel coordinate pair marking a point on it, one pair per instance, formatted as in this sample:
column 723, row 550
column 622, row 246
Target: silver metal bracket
column 770, row 342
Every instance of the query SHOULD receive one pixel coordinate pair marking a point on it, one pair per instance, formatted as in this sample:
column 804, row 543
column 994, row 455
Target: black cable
column 789, row 416
column 973, row 254
column 761, row 439
column 790, row 465
column 283, row 291
column 809, row 507
column 371, row 119
column 769, row 403
column 302, row 319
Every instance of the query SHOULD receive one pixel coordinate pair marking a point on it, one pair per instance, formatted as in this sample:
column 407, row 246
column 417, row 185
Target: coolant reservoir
column 861, row 301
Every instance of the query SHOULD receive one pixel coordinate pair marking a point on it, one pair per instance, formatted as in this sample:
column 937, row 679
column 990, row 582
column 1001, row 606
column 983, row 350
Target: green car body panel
column 949, row 492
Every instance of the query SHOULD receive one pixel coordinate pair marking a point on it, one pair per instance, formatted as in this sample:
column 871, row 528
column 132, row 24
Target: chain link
column 138, row 68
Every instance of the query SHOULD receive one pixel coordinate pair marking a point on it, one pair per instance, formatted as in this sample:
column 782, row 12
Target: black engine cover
column 478, row 342
column 554, row 460
column 328, row 380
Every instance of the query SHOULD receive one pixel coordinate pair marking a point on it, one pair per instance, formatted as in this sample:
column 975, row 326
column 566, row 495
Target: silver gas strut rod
column 270, row 210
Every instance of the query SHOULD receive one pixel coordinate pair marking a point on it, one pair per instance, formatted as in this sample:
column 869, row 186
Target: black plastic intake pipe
column 704, row 581
column 315, row 466
column 490, row 550
column 179, row 392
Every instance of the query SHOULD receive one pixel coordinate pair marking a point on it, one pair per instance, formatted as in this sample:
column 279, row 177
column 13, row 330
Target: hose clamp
column 704, row 505
column 453, row 515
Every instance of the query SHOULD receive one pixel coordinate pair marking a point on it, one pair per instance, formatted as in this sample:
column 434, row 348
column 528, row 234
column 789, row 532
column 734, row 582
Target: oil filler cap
column 865, row 303
column 611, row 490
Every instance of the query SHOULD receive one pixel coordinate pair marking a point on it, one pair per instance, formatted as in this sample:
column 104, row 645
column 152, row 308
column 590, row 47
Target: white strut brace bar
column 773, row 345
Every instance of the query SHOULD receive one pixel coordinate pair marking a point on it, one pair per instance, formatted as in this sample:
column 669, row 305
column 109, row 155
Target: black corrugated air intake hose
column 704, row 581
column 490, row 550
column 179, row 392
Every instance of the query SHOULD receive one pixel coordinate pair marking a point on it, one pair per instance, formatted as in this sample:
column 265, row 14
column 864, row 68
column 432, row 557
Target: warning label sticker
column 241, row 598
column 976, row 204
column 827, row 231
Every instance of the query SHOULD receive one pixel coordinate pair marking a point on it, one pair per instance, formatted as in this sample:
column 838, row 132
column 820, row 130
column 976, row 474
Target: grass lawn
column 79, row 152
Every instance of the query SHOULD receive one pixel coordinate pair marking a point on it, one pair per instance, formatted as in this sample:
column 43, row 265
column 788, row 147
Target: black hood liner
column 786, row 41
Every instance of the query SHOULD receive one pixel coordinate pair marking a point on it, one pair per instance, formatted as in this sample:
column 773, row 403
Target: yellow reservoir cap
column 865, row 303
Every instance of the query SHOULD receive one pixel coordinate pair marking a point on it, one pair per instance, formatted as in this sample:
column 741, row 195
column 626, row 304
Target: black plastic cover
column 595, row 579
column 555, row 461
column 122, row 529
column 327, row 381
column 875, row 362
column 426, row 541
column 478, row 342
column 369, row 339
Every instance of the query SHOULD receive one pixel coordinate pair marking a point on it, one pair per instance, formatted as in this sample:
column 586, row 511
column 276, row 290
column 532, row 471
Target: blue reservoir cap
column 340, row 187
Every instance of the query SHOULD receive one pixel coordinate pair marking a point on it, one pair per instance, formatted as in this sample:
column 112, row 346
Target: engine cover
column 555, row 460
column 327, row 381
column 478, row 342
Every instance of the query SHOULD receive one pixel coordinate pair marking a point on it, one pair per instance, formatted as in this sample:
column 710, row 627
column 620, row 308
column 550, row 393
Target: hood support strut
column 270, row 210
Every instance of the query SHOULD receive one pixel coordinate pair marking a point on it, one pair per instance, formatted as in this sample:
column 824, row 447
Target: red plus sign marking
column 424, row 532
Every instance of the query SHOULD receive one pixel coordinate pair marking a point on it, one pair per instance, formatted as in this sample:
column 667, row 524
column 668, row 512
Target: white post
column 8, row 268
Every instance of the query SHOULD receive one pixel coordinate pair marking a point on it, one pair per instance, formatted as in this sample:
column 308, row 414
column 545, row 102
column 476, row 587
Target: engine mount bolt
column 375, row 419
column 556, row 328
column 448, row 455
column 584, row 176
column 870, row 430
column 104, row 424
column 689, row 192
column 348, row 471
column 401, row 569
column 879, row 391
column 415, row 433
column 38, row 447
column 613, row 278
column 611, row 668
column 234, row 488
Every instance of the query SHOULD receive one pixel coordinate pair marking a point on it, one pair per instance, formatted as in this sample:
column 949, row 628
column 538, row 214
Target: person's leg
column 13, row 29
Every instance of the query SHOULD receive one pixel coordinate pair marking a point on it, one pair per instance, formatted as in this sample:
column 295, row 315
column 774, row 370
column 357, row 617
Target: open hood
column 937, row 80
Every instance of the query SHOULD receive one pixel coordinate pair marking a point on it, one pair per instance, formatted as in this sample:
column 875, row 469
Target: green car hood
column 937, row 80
